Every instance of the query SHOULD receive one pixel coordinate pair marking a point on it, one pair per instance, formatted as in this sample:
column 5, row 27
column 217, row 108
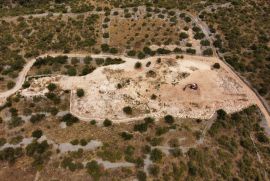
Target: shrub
column 26, row 84
column 37, row 118
column 138, row 65
column 87, row 60
column 131, row 53
column 126, row 136
column 10, row 84
column 140, row 127
column 169, row 119
column 127, row 110
column 154, row 170
column 183, row 36
column 205, row 43
column 199, row 35
column 80, row 92
column 107, row 123
column 69, row 119
column 51, row 87
column 261, row 137
column 72, row 71
column 208, row 52
column 191, row 51
column 15, row 121
column 2, row 141
column 105, row 47
column 221, row 114
column 141, row 55
column 93, row 169
column 37, row 133
column 156, row 155
column 141, row 175
column 83, row 142
column 216, row 65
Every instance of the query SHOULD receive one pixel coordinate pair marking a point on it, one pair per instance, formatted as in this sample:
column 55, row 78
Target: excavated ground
column 110, row 88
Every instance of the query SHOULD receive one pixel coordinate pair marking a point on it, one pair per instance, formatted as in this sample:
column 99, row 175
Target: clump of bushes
column 69, row 119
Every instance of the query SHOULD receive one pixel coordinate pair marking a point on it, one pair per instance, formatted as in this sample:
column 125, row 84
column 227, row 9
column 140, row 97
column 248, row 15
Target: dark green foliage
column 261, row 137
column 26, row 84
column 72, row 71
column 2, row 141
column 37, row 118
column 112, row 61
column 156, row 155
column 93, row 169
column 205, row 43
column 107, row 123
column 127, row 110
column 15, row 122
column 208, row 52
column 80, row 92
column 50, row 60
column 169, row 119
column 138, row 65
column 37, row 133
column 126, row 136
column 154, row 170
column 69, row 119
column 68, row 163
column 191, row 51
column 216, row 65
column 141, row 175
column 221, row 114
column 183, row 36
column 51, row 87
column 10, row 154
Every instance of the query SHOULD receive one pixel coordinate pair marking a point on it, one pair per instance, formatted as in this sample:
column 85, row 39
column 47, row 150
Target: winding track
column 258, row 100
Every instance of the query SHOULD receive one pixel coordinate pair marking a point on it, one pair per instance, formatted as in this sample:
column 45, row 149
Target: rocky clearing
column 155, row 89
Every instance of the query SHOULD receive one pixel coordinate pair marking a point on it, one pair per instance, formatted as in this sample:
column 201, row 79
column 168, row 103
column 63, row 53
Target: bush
column 127, row 110
column 51, row 87
column 138, row 65
column 10, row 84
column 107, row 123
column 87, row 60
column 208, row 52
column 216, row 65
column 131, row 53
column 105, row 47
column 37, row 133
column 169, row 119
column 141, row 55
column 93, row 169
column 221, row 114
column 191, row 51
column 183, row 36
column 72, row 71
column 205, row 43
column 156, row 155
column 37, row 118
column 80, row 92
column 69, row 119
column 261, row 137
column 154, row 170
column 141, row 175
column 126, row 136
column 26, row 84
